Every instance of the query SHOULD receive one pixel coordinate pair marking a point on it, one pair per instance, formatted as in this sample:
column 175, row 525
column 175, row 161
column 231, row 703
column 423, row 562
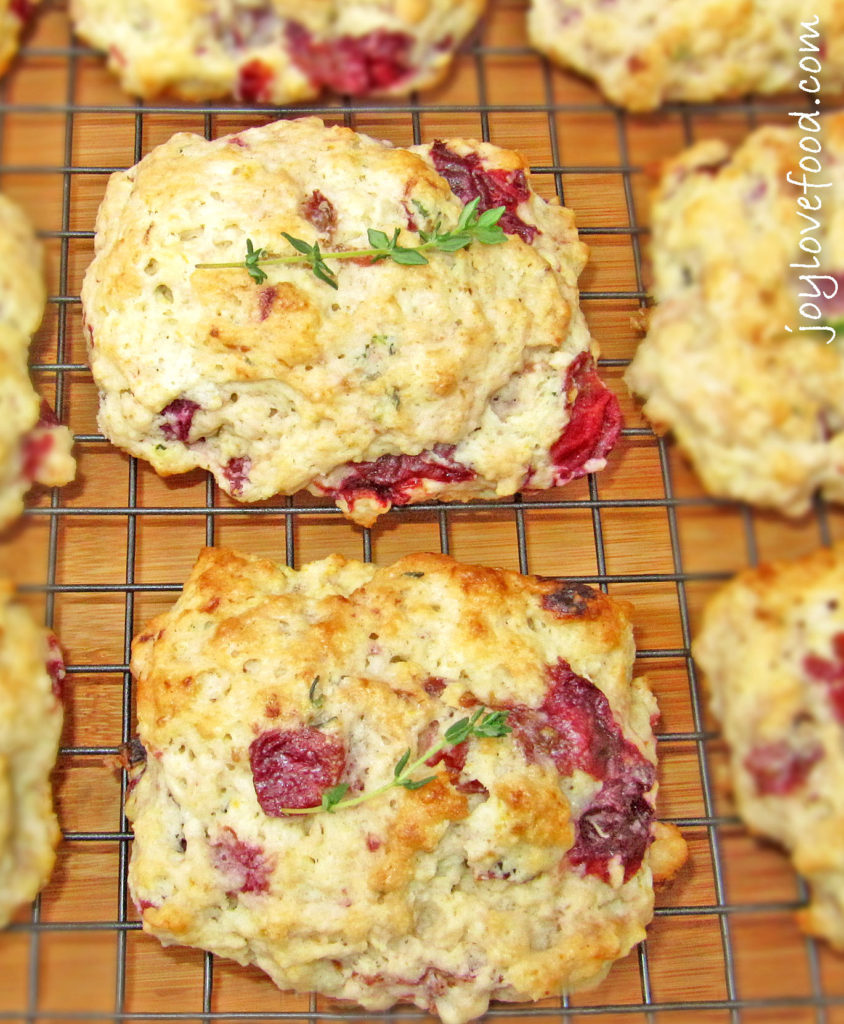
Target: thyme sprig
column 471, row 227
column 490, row 725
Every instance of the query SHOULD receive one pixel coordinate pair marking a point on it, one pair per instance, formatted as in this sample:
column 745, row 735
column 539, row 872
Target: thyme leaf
column 485, row 726
column 315, row 698
column 332, row 797
column 471, row 227
column 416, row 783
column 401, row 764
column 314, row 259
column 253, row 255
column 492, row 726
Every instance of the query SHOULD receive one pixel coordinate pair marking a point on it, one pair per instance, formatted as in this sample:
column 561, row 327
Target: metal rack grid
column 723, row 946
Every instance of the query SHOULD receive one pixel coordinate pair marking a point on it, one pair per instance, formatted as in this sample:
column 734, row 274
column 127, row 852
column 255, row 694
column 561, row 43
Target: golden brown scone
column 472, row 376
column 31, row 674
column 642, row 53
column 14, row 15
column 33, row 447
column 520, row 869
column 276, row 51
column 754, row 398
column 772, row 647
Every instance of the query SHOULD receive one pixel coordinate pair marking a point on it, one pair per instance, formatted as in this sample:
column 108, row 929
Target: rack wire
column 104, row 554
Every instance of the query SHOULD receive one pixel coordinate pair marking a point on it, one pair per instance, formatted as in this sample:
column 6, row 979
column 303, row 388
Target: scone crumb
column 669, row 851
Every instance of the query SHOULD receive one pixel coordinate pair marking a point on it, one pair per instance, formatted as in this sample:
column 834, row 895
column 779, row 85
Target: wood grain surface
column 109, row 551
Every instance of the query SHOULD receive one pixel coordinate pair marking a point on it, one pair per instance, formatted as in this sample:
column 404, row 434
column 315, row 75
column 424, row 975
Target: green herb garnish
column 315, row 698
column 484, row 726
column 471, row 227
column 251, row 262
column 331, row 797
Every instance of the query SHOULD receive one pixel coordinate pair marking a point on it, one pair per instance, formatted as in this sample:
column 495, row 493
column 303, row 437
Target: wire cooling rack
column 100, row 557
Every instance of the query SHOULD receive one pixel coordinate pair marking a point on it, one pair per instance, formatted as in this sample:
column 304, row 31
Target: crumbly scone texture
column 31, row 672
column 489, row 881
column 478, row 363
column 33, row 447
column 13, row 17
column 22, row 291
column 772, row 647
column 642, row 53
column 754, row 398
column 275, row 51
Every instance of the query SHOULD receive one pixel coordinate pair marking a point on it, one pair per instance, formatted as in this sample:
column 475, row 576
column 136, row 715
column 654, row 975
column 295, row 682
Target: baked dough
column 471, row 377
column 275, row 51
column 772, row 647
column 31, row 674
column 33, row 447
column 521, row 870
column 754, row 398
column 14, row 15
column 643, row 53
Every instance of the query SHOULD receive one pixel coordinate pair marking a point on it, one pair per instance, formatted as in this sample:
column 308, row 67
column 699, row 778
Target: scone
column 772, row 647
column 14, row 15
column 643, row 53
column 512, row 865
column 751, row 387
column 31, row 675
column 471, row 376
column 275, row 51
column 33, row 447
